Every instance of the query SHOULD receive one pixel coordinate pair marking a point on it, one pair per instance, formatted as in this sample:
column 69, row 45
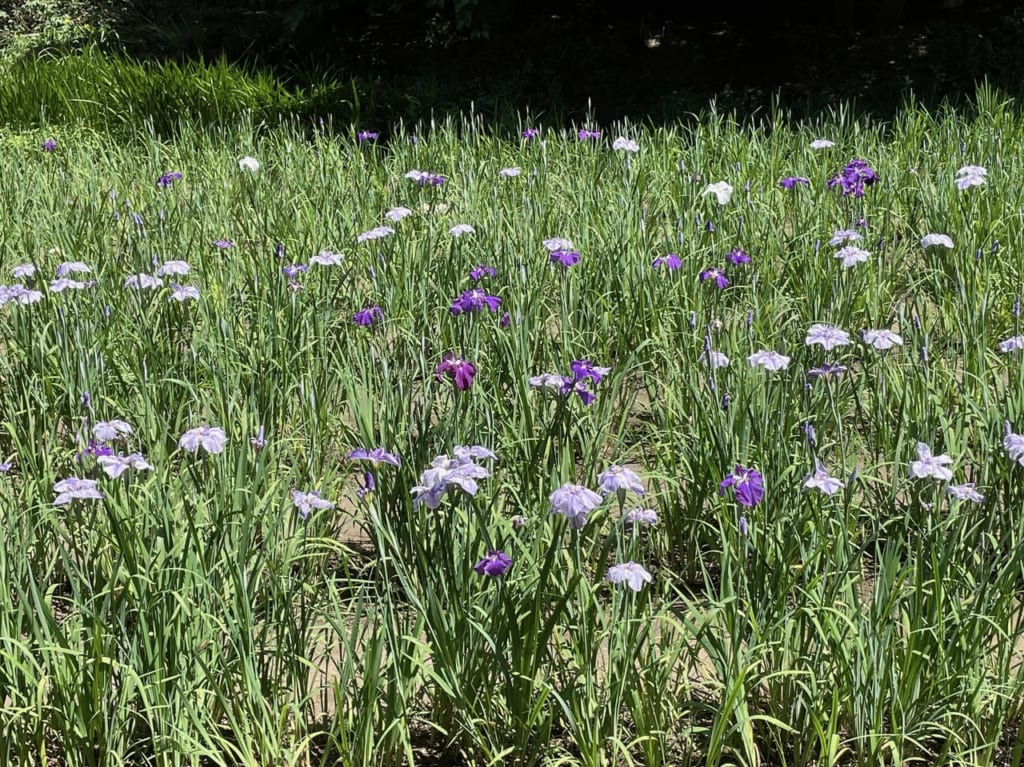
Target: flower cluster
column 585, row 374
column 377, row 233
column 854, row 178
column 425, row 178
column 971, row 175
column 458, row 470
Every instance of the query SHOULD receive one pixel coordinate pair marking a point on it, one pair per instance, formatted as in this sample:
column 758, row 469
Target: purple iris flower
column 747, row 484
column 494, row 565
column 49, row 145
column 827, row 336
column 581, row 388
column 809, row 432
column 791, row 182
column 586, row 369
column 574, row 502
column 715, row 274
column 736, row 256
column 566, row 258
column 366, row 317
column 72, row 267
column 376, row 456
column 447, row 472
column 821, row 480
column 95, row 450
column 167, row 180
column 585, row 135
column 641, row 517
column 365, row 135
column 74, row 489
column 473, row 301
column 223, row 243
column 116, row 465
column 426, row 178
column 108, row 431
column 827, row 370
column 367, row 485
column 182, row 293
column 854, row 178
column 459, row 370
column 481, row 271
column 584, row 374
column 305, row 502
column 294, row 270
column 620, row 480
column 530, row 133
column 670, row 262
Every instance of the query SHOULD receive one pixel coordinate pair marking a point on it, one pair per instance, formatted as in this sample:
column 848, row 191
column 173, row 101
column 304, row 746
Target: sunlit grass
column 194, row 616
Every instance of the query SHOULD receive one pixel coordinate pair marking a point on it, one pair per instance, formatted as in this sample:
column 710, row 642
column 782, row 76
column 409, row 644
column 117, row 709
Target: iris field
column 665, row 445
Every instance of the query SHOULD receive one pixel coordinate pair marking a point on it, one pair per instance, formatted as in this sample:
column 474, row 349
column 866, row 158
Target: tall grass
column 193, row 615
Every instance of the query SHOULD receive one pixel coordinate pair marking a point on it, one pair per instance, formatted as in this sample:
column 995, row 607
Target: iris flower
column 827, row 336
column 459, row 370
column 821, row 480
column 305, row 502
column 722, row 191
column 209, row 438
column 769, row 360
column 747, row 484
column 76, row 489
column 574, row 502
column 882, row 339
column 630, row 573
column 494, row 565
column 929, row 465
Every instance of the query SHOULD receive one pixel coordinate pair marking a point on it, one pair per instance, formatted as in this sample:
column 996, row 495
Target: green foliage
column 116, row 94
column 193, row 616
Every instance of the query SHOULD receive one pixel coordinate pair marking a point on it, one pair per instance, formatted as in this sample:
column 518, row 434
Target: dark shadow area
column 657, row 61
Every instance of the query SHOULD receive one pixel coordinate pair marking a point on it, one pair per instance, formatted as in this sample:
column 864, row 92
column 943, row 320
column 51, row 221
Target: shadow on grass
column 592, row 63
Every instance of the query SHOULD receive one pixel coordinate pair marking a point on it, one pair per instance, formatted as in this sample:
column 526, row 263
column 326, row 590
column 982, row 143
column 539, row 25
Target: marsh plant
column 620, row 445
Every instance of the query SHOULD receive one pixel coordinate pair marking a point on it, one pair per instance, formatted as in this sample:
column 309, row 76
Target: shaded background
column 569, row 60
